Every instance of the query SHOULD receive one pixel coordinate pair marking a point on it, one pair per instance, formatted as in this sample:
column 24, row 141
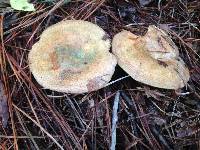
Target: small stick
column 132, row 113
column 160, row 137
column 114, row 121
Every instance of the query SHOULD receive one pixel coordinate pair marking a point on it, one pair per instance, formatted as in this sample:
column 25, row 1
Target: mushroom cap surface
column 72, row 56
column 152, row 59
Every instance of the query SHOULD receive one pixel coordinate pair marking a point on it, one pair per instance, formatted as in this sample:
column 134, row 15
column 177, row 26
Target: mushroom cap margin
column 79, row 34
column 133, row 55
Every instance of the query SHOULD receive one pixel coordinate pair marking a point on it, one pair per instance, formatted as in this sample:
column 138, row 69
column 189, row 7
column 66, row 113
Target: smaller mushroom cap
column 152, row 59
column 73, row 57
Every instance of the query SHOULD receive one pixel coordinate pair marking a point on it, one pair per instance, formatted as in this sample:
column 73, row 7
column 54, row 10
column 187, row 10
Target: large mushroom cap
column 73, row 57
column 152, row 59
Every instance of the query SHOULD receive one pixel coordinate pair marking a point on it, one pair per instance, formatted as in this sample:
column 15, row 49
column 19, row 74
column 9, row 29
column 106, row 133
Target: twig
column 117, row 80
column 76, row 113
column 41, row 128
column 5, row 75
column 160, row 137
column 21, row 121
column 26, row 137
column 114, row 121
column 132, row 113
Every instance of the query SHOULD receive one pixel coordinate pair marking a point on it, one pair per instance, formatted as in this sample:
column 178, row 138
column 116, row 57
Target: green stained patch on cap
column 68, row 57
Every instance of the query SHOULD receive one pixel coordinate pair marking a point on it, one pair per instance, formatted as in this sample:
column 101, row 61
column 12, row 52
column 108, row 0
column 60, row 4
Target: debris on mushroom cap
column 152, row 59
column 73, row 57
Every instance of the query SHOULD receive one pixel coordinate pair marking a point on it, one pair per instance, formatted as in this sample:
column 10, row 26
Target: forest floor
column 148, row 117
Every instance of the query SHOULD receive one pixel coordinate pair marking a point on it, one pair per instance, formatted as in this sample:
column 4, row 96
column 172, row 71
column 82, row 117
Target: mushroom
column 152, row 59
column 73, row 57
